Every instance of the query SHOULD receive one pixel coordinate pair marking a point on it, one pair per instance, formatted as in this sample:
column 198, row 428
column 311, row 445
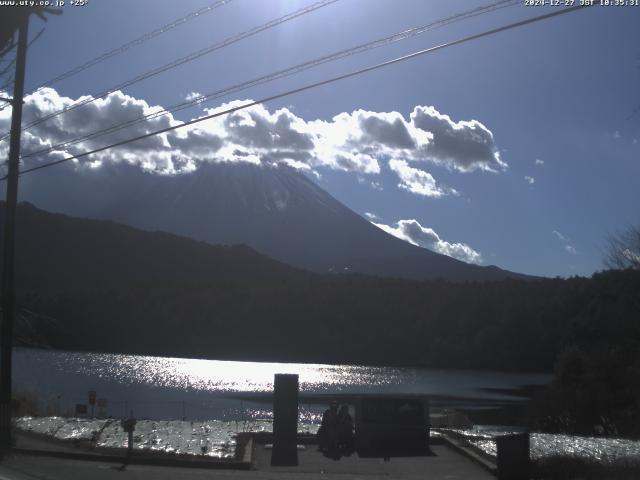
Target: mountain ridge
column 277, row 211
column 55, row 251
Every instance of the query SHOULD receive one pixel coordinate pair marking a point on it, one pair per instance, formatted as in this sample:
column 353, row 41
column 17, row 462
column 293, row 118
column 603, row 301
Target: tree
column 623, row 249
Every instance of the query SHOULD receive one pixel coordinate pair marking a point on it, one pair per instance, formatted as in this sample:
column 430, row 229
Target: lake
column 218, row 399
column 176, row 388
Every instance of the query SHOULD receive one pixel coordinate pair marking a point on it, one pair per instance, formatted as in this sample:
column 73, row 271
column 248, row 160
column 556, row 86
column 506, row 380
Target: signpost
column 129, row 425
column 102, row 407
column 92, row 401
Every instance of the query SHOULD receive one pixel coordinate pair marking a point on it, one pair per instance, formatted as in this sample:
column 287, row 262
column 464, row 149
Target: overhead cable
column 311, row 86
column 202, row 98
column 181, row 61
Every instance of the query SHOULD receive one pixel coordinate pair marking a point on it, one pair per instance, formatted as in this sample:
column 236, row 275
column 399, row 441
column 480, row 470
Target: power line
column 8, row 67
column 6, row 85
column 313, row 85
column 180, row 61
column 405, row 34
column 283, row 73
column 36, row 37
column 12, row 63
column 124, row 47
column 133, row 43
column 8, row 48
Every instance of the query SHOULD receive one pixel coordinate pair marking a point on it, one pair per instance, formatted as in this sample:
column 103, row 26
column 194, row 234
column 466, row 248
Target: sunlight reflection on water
column 226, row 376
column 174, row 388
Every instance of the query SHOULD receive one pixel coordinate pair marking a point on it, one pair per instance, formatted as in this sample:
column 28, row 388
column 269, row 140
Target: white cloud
column 539, row 162
column 569, row 248
column 411, row 231
column 529, row 180
column 168, row 153
column 192, row 96
column 559, row 235
column 415, row 180
column 463, row 145
column 355, row 142
column 371, row 216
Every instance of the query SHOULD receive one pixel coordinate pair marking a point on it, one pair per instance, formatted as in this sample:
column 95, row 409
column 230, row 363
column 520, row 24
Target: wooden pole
column 8, row 254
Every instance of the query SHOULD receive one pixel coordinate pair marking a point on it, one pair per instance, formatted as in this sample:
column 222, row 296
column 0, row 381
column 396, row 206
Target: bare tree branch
column 623, row 249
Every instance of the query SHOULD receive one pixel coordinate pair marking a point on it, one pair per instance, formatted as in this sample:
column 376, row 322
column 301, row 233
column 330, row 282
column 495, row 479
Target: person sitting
column 328, row 432
column 346, row 438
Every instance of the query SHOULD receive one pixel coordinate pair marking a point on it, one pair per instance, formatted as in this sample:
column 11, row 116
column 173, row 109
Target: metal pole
column 8, row 257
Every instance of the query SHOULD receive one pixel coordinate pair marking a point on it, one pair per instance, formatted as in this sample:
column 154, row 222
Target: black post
column 8, row 299
column 513, row 456
column 129, row 444
column 285, row 420
column 128, row 425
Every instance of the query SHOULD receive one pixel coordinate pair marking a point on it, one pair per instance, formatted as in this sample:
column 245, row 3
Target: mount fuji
column 278, row 211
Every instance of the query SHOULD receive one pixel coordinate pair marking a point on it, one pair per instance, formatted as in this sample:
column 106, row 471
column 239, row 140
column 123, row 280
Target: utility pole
column 8, row 254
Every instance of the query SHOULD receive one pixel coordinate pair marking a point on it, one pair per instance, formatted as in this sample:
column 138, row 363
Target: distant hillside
column 100, row 286
column 277, row 211
column 58, row 252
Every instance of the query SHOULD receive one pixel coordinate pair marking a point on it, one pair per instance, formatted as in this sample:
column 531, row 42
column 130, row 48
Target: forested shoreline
column 104, row 287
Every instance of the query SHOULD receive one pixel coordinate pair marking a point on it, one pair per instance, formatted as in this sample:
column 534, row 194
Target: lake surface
column 176, row 388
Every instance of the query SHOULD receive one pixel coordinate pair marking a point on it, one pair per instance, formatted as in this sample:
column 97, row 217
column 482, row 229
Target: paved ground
column 35, row 443
column 444, row 464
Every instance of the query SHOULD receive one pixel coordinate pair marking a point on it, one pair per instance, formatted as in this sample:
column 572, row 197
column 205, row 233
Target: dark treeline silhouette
column 98, row 286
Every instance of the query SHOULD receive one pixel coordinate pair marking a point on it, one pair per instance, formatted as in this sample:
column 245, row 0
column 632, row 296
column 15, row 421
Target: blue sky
column 558, row 98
